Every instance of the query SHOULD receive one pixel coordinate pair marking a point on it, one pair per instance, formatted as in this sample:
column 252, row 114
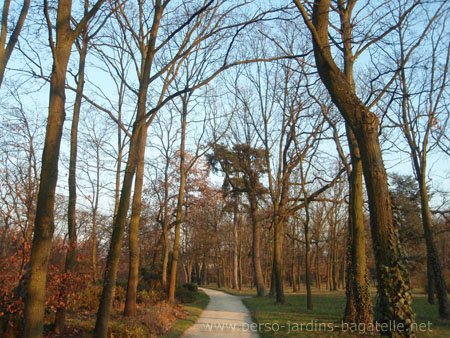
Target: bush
column 191, row 287
column 152, row 296
column 160, row 318
column 185, row 295
column 88, row 299
column 127, row 328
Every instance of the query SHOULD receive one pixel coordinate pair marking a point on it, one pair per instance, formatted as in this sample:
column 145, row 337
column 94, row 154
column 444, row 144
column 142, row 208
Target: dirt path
column 225, row 316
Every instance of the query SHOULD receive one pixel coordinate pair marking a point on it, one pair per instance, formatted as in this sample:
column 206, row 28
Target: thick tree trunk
column 392, row 274
column 236, row 221
column 133, row 269
column 318, row 279
column 334, row 276
column 359, row 302
column 430, row 281
column 165, row 258
column 259, row 279
column 44, row 222
column 219, row 284
column 278, row 259
column 60, row 317
column 273, row 283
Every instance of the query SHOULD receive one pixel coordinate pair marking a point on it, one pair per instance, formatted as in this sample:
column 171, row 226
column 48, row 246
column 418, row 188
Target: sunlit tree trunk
column 44, row 222
column 392, row 275
column 256, row 224
column 60, row 316
column 180, row 203
column 133, row 269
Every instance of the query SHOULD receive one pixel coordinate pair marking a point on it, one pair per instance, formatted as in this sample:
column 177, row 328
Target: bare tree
column 420, row 114
column 365, row 126
column 44, row 226
column 7, row 44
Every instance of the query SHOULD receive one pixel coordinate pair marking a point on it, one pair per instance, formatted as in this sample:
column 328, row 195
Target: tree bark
column 256, row 224
column 430, row 281
column 236, row 221
column 133, row 269
column 180, row 203
column 60, row 316
column 359, row 302
column 392, row 274
column 112, row 262
column 278, row 259
column 137, row 148
column 309, row 304
column 44, row 223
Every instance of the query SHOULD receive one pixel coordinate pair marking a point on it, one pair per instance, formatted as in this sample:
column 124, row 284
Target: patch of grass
column 292, row 318
column 194, row 309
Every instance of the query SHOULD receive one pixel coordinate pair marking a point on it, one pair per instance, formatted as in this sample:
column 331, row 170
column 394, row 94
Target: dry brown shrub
column 159, row 318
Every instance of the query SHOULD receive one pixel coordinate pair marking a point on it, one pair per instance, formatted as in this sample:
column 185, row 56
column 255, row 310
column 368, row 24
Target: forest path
column 225, row 316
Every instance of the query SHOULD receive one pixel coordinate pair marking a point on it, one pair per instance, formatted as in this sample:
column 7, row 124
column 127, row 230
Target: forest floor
column 292, row 318
column 152, row 320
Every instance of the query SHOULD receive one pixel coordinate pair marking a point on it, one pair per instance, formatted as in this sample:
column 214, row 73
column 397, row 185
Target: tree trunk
column 236, row 221
column 430, row 281
column 432, row 253
column 6, row 49
column 309, row 304
column 318, row 279
column 294, row 261
column 180, row 203
column 133, row 269
column 357, row 287
column 278, row 259
column 44, row 222
column 112, row 262
column 392, row 274
column 60, row 317
column 259, row 279
column 165, row 258
column 273, row 282
column 137, row 142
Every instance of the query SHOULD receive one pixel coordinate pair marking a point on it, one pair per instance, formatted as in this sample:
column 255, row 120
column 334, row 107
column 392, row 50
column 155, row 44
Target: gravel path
column 225, row 316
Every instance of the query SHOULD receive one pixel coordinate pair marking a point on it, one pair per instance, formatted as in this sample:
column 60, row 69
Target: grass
column 286, row 320
column 194, row 309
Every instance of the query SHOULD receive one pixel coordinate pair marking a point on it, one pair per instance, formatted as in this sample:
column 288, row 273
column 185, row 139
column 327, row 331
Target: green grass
column 328, row 309
column 195, row 309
